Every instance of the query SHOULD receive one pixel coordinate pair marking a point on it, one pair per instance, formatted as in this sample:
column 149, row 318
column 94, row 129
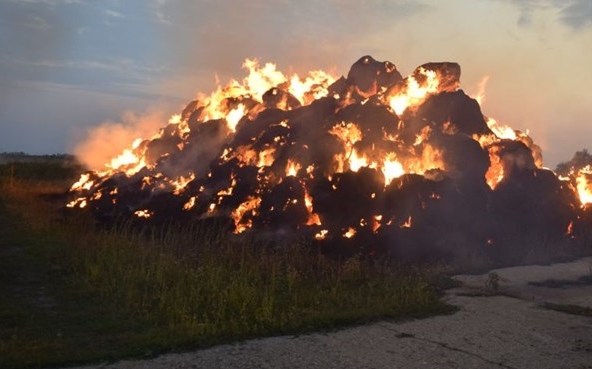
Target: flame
column 313, row 218
column 376, row 223
column 480, row 94
column 292, row 168
column 259, row 81
column 356, row 162
column 80, row 202
column 407, row 223
column 584, row 184
column 249, row 205
column 312, row 88
column 127, row 162
column 501, row 131
column 266, row 157
column 423, row 135
column 570, row 229
column 190, row 203
column 350, row 232
column 391, row 168
column 431, row 158
column 180, row 183
column 234, row 116
column 495, row 172
column 321, row 234
column 143, row 213
column 250, row 157
column 348, row 133
column 84, row 183
column 240, row 102
column 413, row 93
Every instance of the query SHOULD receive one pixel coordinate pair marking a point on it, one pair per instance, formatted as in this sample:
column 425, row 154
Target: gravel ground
column 503, row 328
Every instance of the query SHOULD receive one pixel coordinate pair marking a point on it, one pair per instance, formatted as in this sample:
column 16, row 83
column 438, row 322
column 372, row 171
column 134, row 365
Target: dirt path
column 503, row 328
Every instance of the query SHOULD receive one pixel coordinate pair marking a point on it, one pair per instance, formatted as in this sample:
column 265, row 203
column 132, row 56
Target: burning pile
column 371, row 162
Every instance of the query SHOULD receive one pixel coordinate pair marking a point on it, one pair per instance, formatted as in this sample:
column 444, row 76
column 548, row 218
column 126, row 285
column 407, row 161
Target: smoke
column 292, row 34
column 108, row 139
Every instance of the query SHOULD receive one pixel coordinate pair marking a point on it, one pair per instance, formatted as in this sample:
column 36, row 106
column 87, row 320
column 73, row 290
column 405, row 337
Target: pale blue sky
column 69, row 65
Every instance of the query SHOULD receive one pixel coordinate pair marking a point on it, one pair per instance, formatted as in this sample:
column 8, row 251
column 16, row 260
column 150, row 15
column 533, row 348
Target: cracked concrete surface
column 490, row 330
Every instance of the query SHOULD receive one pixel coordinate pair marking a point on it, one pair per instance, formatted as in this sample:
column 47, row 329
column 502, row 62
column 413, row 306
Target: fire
column 413, row 92
column 292, row 168
column 248, row 206
column 312, row 88
column 266, row 157
column 584, row 184
column 391, row 168
column 84, row 183
column 80, row 202
column 376, row 223
column 330, row 157
column 500, row 130
column 256, row 84
column 190, row 203
column 570, row 230
column 313, row 218
column 321, row 234
column 348, row 133
column 356, row 162
column 180, row 183
column 234, row 116
column 350, row 232
column 407, row 223
column 480, row 94
column 495, row 173
column 143, row 213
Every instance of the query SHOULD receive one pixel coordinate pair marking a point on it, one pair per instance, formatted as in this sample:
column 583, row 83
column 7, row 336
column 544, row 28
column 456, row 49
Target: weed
column 124, row 292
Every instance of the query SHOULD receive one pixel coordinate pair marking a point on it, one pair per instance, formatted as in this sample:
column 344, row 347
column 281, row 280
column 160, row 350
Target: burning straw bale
column 371, row 163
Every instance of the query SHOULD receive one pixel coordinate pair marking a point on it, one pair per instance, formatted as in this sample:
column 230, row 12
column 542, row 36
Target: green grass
column 74, row 293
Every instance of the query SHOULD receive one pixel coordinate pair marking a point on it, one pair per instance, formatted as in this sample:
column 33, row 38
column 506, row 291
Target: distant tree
column 579, row 160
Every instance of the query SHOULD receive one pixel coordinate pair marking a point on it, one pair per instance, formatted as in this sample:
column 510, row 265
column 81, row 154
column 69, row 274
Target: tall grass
column 187, row 286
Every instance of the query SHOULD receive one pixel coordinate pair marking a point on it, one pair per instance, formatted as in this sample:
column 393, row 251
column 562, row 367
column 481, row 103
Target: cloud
column 577, row 14
column 35, row 29
column 113, row 14
column 221, row 34
column 56, row 41
column 36, row 22
column 50, row 2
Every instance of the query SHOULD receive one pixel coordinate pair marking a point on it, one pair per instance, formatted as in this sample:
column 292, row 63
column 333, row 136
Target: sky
column 111, row 68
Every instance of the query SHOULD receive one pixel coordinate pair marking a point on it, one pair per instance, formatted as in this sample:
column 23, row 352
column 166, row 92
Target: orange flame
column 413, row 93
column 584, row 184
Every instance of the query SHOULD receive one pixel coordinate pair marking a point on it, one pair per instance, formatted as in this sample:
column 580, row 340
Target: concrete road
column 503, row 328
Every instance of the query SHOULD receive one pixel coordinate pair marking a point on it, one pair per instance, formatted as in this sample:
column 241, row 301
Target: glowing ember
column 349, row 233
column 321, row 235
column 190, row 203
column 407, row 223
column 143, row 213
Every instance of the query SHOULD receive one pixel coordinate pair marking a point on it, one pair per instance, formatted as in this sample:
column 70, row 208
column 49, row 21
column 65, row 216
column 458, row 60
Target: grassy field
column 74, row 293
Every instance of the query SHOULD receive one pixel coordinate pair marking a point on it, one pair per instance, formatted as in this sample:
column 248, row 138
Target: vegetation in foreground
column 73, row 293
